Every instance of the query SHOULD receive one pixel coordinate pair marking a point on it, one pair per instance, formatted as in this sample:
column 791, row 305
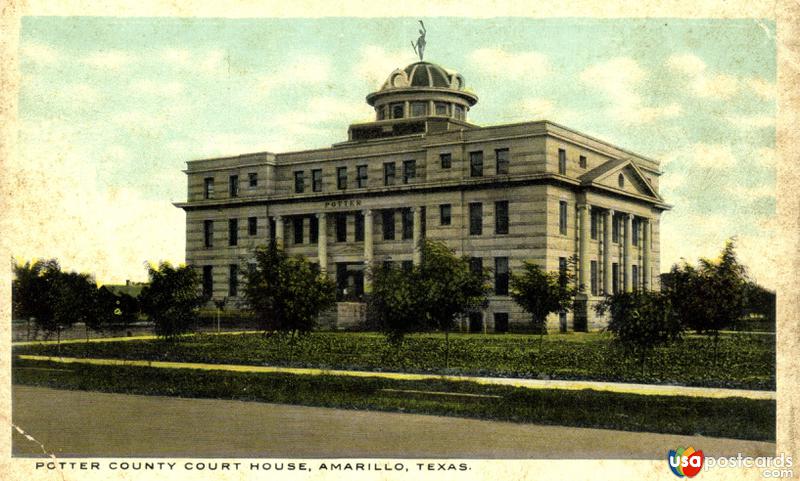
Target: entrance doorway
column 475, row 322
column 349, row 281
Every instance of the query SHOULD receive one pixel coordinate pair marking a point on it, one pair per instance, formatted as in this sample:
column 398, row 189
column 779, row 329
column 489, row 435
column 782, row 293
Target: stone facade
column 505, row 194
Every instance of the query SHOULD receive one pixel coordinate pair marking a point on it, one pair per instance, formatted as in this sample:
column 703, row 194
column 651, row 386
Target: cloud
column 670, row 182
column 718, row 86
column 751, row 121
column 323, row 110
column 110, row 59
column 39, row 53
column 308, row 70
column 712, row 156
column 687, row 64
column 499, row 63
column 766, row 156
column 375, row 64
column 620, row 79
column 764, row 89
column 540, row 108
column 60, row 209
column 753, row 192
column 157, row 88
column 701, row 82
column 205, row 62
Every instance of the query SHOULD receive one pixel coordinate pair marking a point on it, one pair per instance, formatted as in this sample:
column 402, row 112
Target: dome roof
column 425, row 75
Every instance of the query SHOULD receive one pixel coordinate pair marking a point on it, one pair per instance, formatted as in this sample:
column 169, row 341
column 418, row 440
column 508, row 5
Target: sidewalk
column 641, row 389
column 118, row 339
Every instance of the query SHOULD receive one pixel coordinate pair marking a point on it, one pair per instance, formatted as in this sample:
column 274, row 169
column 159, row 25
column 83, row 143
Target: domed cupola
column 422, row 89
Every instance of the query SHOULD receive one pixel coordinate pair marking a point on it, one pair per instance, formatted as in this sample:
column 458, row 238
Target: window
column 476, row 164
column 444, row 214
column 298, row 225
column 501, row 276
column 409, row 170
column 233, row 232
column 316, row 180
column 635, row 232
column 341, row 227
column 271, row 228
column 476, row 266
column 407, row 217
column 446, row 160
column 593, row 277
column 208, row 188
column 594, row 218
column 208, row 282
column 635, row 275
column 233, row 186
column 501, row 217
column 621, row 180
column 359, row 227
column 397, row 111
column 407, row 266
column 361, row 176
column 388, row 173
column 252, row 179
column 252, row 226
column 562, row 217
column 299, row 182
column 615, row 229
column 500, row 322
column 562, row 271
column 459, row 112
column 502, row 161
column 388, row 224
column 208, row 233
column 615, row 278
column 442, row 108
column 419, row 109
column 475, row 218
column 313, row 229
column 582, row 161
column 562, row 161
column 233, row 280
column 341, row 178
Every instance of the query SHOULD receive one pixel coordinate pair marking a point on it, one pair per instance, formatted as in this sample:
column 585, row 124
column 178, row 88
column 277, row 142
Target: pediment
column 620, row 175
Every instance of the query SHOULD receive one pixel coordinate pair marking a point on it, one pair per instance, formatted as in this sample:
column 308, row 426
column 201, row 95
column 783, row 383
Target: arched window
column 621, row 180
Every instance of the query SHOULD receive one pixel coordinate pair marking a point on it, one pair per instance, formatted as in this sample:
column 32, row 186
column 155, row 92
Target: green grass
column 743, row 361
column 730, row 417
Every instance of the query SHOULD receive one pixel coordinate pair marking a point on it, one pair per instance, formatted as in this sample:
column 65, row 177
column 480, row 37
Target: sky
column 110, row 109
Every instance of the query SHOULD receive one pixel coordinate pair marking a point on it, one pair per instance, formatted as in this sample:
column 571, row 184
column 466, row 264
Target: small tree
column 31, row 294
column 171, row 299
column 287, row 294
column 75, row 300
column 395, row 307
column 541, row 293
column 449, row 289
column 641, row 321
column 710, row 297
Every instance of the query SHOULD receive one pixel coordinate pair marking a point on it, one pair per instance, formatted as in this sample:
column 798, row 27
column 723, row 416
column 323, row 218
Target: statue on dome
column 419, row 47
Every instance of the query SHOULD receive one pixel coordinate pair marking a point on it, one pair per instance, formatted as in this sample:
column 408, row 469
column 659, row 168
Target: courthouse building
column 499, row 194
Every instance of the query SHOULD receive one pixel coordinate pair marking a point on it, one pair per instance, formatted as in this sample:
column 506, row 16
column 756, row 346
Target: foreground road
column 77, row 423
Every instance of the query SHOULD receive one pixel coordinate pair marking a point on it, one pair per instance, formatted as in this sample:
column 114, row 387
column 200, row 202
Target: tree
column 710, row 297
column 53, row 298
column 641, row 321
column 395, row 307
column 171, row 299
column 430, row 296
column 287, row 294
column 541, row 293
column 449, row 288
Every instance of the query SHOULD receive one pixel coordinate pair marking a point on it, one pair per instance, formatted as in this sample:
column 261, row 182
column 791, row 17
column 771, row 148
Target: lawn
column 743, row 360
column 730, row 417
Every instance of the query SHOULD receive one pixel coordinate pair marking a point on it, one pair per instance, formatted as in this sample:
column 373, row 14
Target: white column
column 646, row 280
column 583, row 248
column 279, row 230
column 607, row 279
column 417, row 235
column 368, row 248
column 322, row 241
column 627, row 254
